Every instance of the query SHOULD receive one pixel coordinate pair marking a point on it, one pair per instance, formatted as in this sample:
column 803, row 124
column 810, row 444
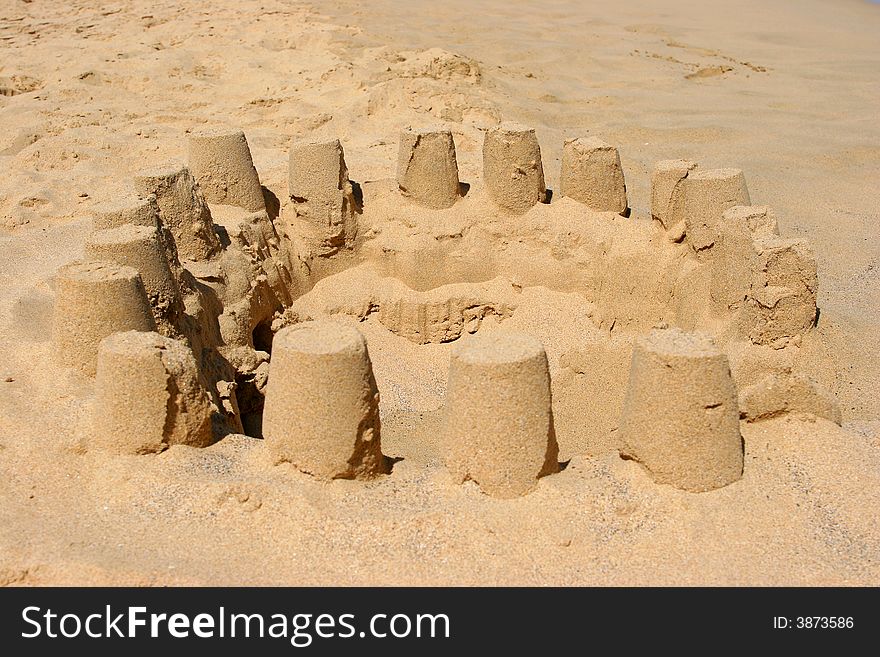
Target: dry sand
column 91, row 96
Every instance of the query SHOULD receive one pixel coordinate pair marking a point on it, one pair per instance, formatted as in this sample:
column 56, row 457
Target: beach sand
column 91, row 96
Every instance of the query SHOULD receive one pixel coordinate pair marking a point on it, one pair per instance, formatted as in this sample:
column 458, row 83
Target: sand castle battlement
column 246, row 297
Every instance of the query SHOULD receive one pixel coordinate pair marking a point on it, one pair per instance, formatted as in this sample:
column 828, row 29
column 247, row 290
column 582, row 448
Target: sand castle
column 221, row 162
column 667, row 191
column 591, row 174
column 318, row 183
column 427, row 169
column 141, row 248
column 707, row 194
column 123, row 210
column 252, row 340
column 183, row 210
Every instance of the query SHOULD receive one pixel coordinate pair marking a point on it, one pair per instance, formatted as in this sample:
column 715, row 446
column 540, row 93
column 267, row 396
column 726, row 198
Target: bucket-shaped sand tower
column 498, row 422
column 512, row 169
column 667, row 190
column 592, row 174
column 220, row 160
column 680, row 416
column 707, row 194
column 138, row 247
column 321, row 192
column 130, row 209
column 427, row 170
column 782, row 295
column 316, row 170
column 322, row 406
column 182, row 209
column 125, row 209
column 148, row 395
column 94, row 300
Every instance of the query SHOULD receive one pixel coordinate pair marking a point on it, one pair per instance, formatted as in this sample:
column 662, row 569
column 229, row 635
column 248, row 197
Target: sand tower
column 125, row 209
column 322, row 405
column 784, row 285
column 512, row 168
column 182, row 209
column 680, row 416
column 92, row 301
column 735, row 251
column 591, row 174
column 148, row 395
column 707, row 194
column 138, row 247
column 322, row 193
column 221, row 162
column 667, row 190
column 130, row 209
column 498, row 426
column 427, row 170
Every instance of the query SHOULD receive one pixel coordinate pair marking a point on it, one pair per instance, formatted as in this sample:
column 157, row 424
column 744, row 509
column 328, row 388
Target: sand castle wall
column 442, row 314
column 787, row 392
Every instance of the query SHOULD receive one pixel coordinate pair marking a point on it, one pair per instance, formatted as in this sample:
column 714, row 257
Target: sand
column 98, row 105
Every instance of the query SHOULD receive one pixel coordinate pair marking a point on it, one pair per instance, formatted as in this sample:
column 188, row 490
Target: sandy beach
column 99, row 104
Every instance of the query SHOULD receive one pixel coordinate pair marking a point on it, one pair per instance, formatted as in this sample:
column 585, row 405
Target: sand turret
column 125, row 209
column 512, row 169
column 322, row 405
column 141, row 248
column 427, row 170
column 148, row 395
column 221, row 162
column 94, row 300
column 182, row 209
column 707, row 194
column 735, row 253
column 130, row 209
column 680, row 416
column 782, row 298
column 498, row 427
column 592, row 175
column 667, row 190
column 322, row 194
